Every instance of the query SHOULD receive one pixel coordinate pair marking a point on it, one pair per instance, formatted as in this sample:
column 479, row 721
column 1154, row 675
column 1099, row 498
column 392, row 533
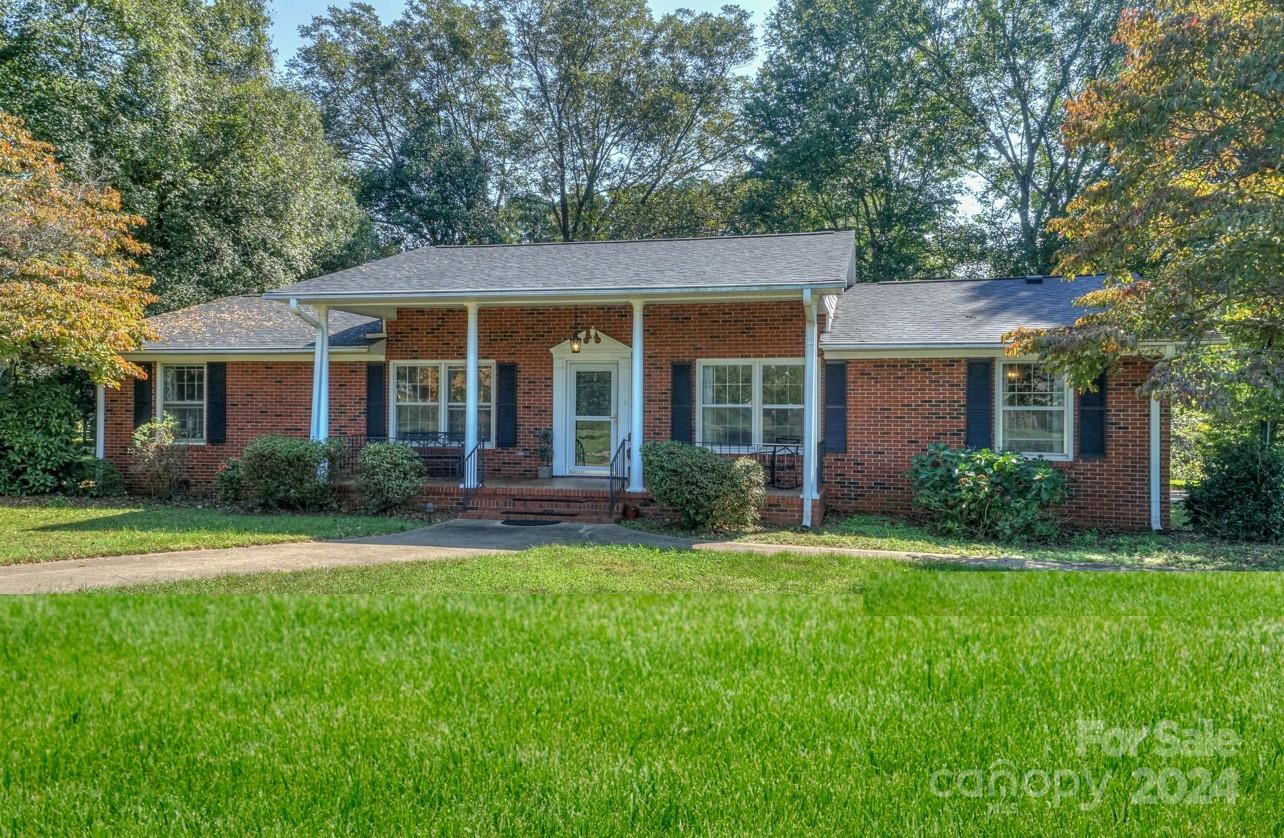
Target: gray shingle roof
column 952, row 312
column 653, row 265
column 244, row 324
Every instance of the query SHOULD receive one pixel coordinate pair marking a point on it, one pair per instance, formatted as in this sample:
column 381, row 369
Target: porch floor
column 577, row 485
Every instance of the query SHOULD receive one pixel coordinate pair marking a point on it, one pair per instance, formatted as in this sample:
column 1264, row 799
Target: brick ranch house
column 493, row 359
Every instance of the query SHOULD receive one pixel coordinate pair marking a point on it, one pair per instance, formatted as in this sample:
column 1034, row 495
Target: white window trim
column 443, row 387
column 159, row 392
column 1068, row 407
column 756, row 406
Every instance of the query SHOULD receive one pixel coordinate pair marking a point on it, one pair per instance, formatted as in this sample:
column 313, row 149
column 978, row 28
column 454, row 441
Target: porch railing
column 619, row 474
column 441, row 453
column 780, row 461
column 473, row 471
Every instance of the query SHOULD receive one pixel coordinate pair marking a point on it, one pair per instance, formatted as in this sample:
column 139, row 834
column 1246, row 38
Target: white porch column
column 635, row 401
column 100, row 423
column 810, row 350
column 321, row 375
column 471, row 391
column 1156, row 451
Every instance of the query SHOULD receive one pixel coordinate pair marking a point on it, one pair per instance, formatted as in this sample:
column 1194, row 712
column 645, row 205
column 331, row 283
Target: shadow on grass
column 179, row 520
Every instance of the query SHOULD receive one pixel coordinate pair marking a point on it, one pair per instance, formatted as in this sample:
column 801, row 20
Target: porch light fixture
column 576, row 343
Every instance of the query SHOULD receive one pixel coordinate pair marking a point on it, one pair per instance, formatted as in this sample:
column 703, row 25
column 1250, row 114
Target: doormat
column 510, row 522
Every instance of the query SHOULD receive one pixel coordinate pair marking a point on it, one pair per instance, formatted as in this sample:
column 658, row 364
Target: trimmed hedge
column 708, row 492
column 987, row 494
column 389, row 476
column 283, row 472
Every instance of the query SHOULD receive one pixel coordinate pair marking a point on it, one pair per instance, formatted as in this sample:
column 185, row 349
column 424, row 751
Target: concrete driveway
column 448, row 540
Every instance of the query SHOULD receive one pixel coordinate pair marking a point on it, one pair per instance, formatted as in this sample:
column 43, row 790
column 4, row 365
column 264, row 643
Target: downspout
column 809, row 408
column 316, row 364
column 1156, row 459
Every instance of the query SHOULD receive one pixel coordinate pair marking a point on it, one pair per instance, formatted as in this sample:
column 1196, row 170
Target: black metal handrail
column 472, row 469
column 442, row 453
column 782, row 461
column 619, row 473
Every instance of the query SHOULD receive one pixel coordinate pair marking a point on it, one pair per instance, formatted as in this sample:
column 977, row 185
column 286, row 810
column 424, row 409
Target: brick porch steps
column 540, row 507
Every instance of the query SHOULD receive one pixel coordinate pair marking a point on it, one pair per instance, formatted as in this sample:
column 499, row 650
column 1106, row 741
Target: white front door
column 592, row 418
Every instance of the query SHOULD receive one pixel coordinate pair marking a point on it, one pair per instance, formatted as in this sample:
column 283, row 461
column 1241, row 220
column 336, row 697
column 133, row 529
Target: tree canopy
column 530, row 119
column 174, row 105
column 1006, row 69
column 1189, row 226
column 71, row 293
column 849, row 133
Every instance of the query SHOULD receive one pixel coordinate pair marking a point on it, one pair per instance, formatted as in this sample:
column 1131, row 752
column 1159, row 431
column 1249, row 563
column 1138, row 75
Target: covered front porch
column 562, row 360
column 496, row 396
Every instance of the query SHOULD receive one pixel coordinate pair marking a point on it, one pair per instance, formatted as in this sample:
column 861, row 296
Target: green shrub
column 39, row 451
column 709, row 492
column 1241, row 496
column 987, row 494
column 282, row 472
column 158, row 458
column 229, row 485
column 101, row 479
column 389, row 476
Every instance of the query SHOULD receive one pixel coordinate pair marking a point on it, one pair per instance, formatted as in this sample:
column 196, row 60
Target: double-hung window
column 183, row 397
column 1034, row 411
column 429, row 397
column 746, row 403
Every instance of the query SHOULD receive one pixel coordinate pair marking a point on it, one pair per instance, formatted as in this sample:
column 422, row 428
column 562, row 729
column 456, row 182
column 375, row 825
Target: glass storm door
column 592, row 437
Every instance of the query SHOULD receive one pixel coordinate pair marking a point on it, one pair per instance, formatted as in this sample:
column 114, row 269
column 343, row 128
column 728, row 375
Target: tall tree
column 1190, row 223
column 850, row 135
column 174, row 105
column 620, row 107
column 1007, row 69
column 71, row 293
column 416, row 107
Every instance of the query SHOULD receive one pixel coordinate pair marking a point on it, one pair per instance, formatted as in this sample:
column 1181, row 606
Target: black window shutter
column 143, row 396
column 980, row 404
column 505, row 405
column 835, row 407
column 1092, row 421
column 680, row 408
column 216, row 402
column 376, row 402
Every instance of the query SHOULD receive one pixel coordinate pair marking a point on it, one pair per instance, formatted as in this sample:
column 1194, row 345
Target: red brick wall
column 262, row 397
column 524, row 336
column 897, row 407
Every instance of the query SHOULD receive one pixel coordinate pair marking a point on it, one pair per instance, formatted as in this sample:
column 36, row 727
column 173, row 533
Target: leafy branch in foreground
column 71, row 293
column 1188, row 229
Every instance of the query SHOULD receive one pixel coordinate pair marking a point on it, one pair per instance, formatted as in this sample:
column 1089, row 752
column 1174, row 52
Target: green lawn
column 704, row 712
column 1184, row 550
column 53, row 529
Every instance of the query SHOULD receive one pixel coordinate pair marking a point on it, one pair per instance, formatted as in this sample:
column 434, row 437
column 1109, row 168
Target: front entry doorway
column 594, row 418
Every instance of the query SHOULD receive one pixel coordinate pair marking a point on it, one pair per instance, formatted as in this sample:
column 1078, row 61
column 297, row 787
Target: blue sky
column 287, row 16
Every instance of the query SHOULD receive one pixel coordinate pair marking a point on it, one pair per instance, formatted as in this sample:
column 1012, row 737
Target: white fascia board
column 507, row 296
column 976, row 350
column 346, row 353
